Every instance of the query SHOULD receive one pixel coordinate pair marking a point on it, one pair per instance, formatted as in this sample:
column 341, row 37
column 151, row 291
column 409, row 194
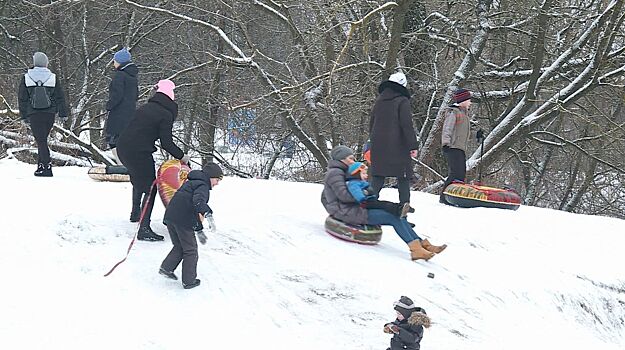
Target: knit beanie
column 399, row 78
column 40, row 59
column 461, row 95
column 122, row 56
column 341, row 152
column 213, row 171
column 354, row 169
column 167, row 87
column 404, row 306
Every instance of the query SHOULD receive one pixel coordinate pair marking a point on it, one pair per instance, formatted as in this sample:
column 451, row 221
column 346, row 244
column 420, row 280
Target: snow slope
column 273, row 279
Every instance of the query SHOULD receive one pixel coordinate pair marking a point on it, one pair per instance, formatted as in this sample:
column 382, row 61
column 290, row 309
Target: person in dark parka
column 407, row 329
column 393, row 140
column 123, row 95
column 186, row 210
column 41, row 119
column 152, row 121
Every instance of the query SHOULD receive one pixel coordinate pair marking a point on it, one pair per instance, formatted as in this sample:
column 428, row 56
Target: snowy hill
column 273, row 279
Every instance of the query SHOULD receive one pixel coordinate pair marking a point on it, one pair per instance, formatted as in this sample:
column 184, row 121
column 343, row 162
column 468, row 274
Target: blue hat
column 122, row 56
column 354, row 169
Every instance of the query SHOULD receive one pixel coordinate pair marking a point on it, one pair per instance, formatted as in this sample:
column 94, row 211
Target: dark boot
column 192, row 284
column 135, row 213
column 43, row 170
column 404, row 209
column 146, row 234
column 168, row 274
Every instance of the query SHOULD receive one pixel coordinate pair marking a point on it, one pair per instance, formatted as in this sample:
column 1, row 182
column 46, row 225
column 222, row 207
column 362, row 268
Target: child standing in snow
column 186, row 210
column 360, row 189
column 407, row 329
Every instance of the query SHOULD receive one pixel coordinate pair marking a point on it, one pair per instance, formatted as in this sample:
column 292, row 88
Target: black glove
column 479, row 135
column 201, row 236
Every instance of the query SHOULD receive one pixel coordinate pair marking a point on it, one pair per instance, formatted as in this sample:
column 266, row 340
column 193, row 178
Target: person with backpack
column 40, row 98
column 153, row 121
column 455, row 137
column 123, row 95
column 393, row 139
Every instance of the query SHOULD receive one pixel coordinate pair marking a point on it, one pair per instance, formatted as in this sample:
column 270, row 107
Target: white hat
column 399, row 78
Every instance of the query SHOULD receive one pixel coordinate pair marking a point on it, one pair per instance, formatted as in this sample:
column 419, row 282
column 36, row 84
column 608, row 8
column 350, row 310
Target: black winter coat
column 410, row 332
column 337, row 200
column 391, row 132
column 123, row 95
column 190, row 200
column 152, row 121
column 53, row 86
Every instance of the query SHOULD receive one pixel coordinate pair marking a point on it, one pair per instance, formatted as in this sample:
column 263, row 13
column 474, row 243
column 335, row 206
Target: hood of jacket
column 337, row 164
column 390, row 89
column 166, row 102
column 418, row 318
column 130, row 69
column 42, row 74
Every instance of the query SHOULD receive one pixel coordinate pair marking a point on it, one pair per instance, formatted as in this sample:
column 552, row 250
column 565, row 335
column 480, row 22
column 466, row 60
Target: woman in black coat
column 393, row 140
column 153, row 121
column 123, row 95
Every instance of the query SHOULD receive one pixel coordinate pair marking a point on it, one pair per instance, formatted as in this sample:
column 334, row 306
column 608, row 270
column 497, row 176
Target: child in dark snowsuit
column 185, row 211
column 407, row 329
column 360, row 189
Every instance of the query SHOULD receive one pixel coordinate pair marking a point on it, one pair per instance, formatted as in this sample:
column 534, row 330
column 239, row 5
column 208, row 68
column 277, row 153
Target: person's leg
column 173, row 259
column 457, row 164
column 403, row 186
column 390, row 207
column 41, row 125
column 189, row 255
column 377, row 182
column 453, row 170
column 135, row 212
column 401, row 226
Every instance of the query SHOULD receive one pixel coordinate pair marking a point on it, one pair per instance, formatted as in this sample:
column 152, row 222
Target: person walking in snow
column 40, row 98
column 152, row 121
column 361, row 190
column 455, row 137
column 123, row 95
column 186, row 211
column 393, row 139
column 407, row 329
column 341, row 205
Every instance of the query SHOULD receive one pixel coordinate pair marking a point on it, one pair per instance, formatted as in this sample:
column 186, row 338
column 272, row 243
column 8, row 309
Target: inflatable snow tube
column 363, row 234
column 113, row 173
column 171, row 175
column 470, row 196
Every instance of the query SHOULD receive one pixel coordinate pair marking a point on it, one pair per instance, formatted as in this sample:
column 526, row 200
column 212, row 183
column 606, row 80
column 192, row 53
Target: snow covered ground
column 273, row 279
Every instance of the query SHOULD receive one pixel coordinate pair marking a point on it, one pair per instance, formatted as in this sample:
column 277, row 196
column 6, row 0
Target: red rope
column 147, row 203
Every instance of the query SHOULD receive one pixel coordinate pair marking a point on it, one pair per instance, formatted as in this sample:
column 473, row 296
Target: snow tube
column 113, row 173
column 469, row 196
column 171, row 175
column 363, row 234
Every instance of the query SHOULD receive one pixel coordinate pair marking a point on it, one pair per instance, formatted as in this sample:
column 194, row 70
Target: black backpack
column 39, row 98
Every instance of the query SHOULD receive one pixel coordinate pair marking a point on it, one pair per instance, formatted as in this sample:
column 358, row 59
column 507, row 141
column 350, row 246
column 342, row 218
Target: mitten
column 201, row 237
column 210, row 222
column 387, row 329
column 185, row 159
column 394, row 329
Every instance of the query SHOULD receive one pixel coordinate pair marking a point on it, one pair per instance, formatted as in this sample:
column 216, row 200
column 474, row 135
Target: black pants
column 142, row 175
column 185, row 250
column 403, row 185
column 41, row 125
column 456, row 166
column 393, row 208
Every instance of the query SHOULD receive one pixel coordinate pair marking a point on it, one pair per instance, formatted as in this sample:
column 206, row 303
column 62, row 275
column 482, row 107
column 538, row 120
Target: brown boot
column 417, row 252
column 433, row 248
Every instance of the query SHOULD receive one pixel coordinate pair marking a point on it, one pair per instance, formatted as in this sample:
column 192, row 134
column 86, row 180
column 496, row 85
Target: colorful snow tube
column 363, row 234
column 113, row 173
column 469, row 196
column 171, row 175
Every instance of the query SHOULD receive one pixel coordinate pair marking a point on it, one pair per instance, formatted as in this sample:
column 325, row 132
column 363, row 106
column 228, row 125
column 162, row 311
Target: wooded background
column 297, row 77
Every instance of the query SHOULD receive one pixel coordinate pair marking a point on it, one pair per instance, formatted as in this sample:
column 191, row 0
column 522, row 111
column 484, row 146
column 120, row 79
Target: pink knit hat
column 167, row 87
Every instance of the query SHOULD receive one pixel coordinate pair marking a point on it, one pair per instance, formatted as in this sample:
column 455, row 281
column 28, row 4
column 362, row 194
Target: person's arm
column 59, row 97
column 355, row 190
column 405, row 123
column 167, row 141
column 200, row 198
column 23, row 98
column 448, row 127
column 336, row 182
column 116, row 91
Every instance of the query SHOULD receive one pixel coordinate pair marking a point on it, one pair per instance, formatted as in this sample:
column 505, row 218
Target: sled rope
column 134, row 237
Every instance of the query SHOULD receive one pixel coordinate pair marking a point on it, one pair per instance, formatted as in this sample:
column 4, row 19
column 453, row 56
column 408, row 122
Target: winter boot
column 135, row 213
column 43, row 170
column 432, row 248
column 146, row 234
column 417, row 252
column 192, row 284
column 168, row 274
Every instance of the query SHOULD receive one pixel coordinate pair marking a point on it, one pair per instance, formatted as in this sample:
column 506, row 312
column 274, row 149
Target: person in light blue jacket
column 359, row 188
